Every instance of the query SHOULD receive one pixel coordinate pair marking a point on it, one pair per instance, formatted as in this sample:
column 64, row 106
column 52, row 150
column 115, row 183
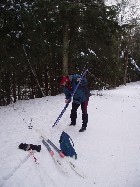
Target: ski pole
column 32, row 154
column 67, row 104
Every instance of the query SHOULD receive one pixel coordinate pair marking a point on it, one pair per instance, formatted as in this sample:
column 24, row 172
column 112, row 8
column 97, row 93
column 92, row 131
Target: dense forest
column 43, row 39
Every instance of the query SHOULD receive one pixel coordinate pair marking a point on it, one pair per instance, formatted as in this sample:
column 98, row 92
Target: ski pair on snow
column 56, row 160
column 46, row 141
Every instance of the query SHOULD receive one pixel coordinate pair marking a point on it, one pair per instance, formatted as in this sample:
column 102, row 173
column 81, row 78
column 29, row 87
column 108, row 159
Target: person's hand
column 78, row 79
column 67, row 100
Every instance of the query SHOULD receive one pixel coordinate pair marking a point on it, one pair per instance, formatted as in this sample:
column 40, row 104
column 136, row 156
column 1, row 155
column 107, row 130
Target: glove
column 27, row 147
column 78, row 79
column 67, row 100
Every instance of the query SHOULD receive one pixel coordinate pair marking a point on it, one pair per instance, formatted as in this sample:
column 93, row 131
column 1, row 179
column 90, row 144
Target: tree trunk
column 7, row 87
column 125, row 66
column 14, row 84
column 46, row 74
column 65, row 49
column 34, row 75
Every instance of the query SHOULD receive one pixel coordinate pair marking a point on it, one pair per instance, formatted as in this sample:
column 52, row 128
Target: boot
column 82, row 129
column 84, row 123
column 73, row 117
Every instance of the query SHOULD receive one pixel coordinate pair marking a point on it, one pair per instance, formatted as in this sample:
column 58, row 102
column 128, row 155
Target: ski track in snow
column 7, row 177
column 108, row 151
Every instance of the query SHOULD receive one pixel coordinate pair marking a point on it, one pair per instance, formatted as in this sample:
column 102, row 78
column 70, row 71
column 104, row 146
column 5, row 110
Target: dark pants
column 73, row 115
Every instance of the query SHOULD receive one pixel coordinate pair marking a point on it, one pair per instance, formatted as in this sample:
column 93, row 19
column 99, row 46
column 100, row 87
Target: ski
column 56, row 160
column 72, row 166
column 41, row 133
column 76, row 169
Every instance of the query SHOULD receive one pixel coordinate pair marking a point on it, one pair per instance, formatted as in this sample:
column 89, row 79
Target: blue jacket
column 82, row 93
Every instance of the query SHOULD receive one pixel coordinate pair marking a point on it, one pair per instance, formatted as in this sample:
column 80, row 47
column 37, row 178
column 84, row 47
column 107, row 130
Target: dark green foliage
column 31, row 42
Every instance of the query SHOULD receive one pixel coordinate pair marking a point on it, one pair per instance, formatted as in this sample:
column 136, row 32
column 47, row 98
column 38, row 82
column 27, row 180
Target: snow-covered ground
column 108, row 151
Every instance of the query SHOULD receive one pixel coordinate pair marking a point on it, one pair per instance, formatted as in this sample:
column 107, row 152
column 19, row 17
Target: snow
column 129, row 10
column 108, row 151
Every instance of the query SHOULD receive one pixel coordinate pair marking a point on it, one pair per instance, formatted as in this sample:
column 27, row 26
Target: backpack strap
column 71, row 141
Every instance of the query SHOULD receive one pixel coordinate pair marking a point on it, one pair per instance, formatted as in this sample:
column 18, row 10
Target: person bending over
column 80, row 98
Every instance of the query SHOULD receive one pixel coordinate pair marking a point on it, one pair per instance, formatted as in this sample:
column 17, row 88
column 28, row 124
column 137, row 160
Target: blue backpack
column 67, row 145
